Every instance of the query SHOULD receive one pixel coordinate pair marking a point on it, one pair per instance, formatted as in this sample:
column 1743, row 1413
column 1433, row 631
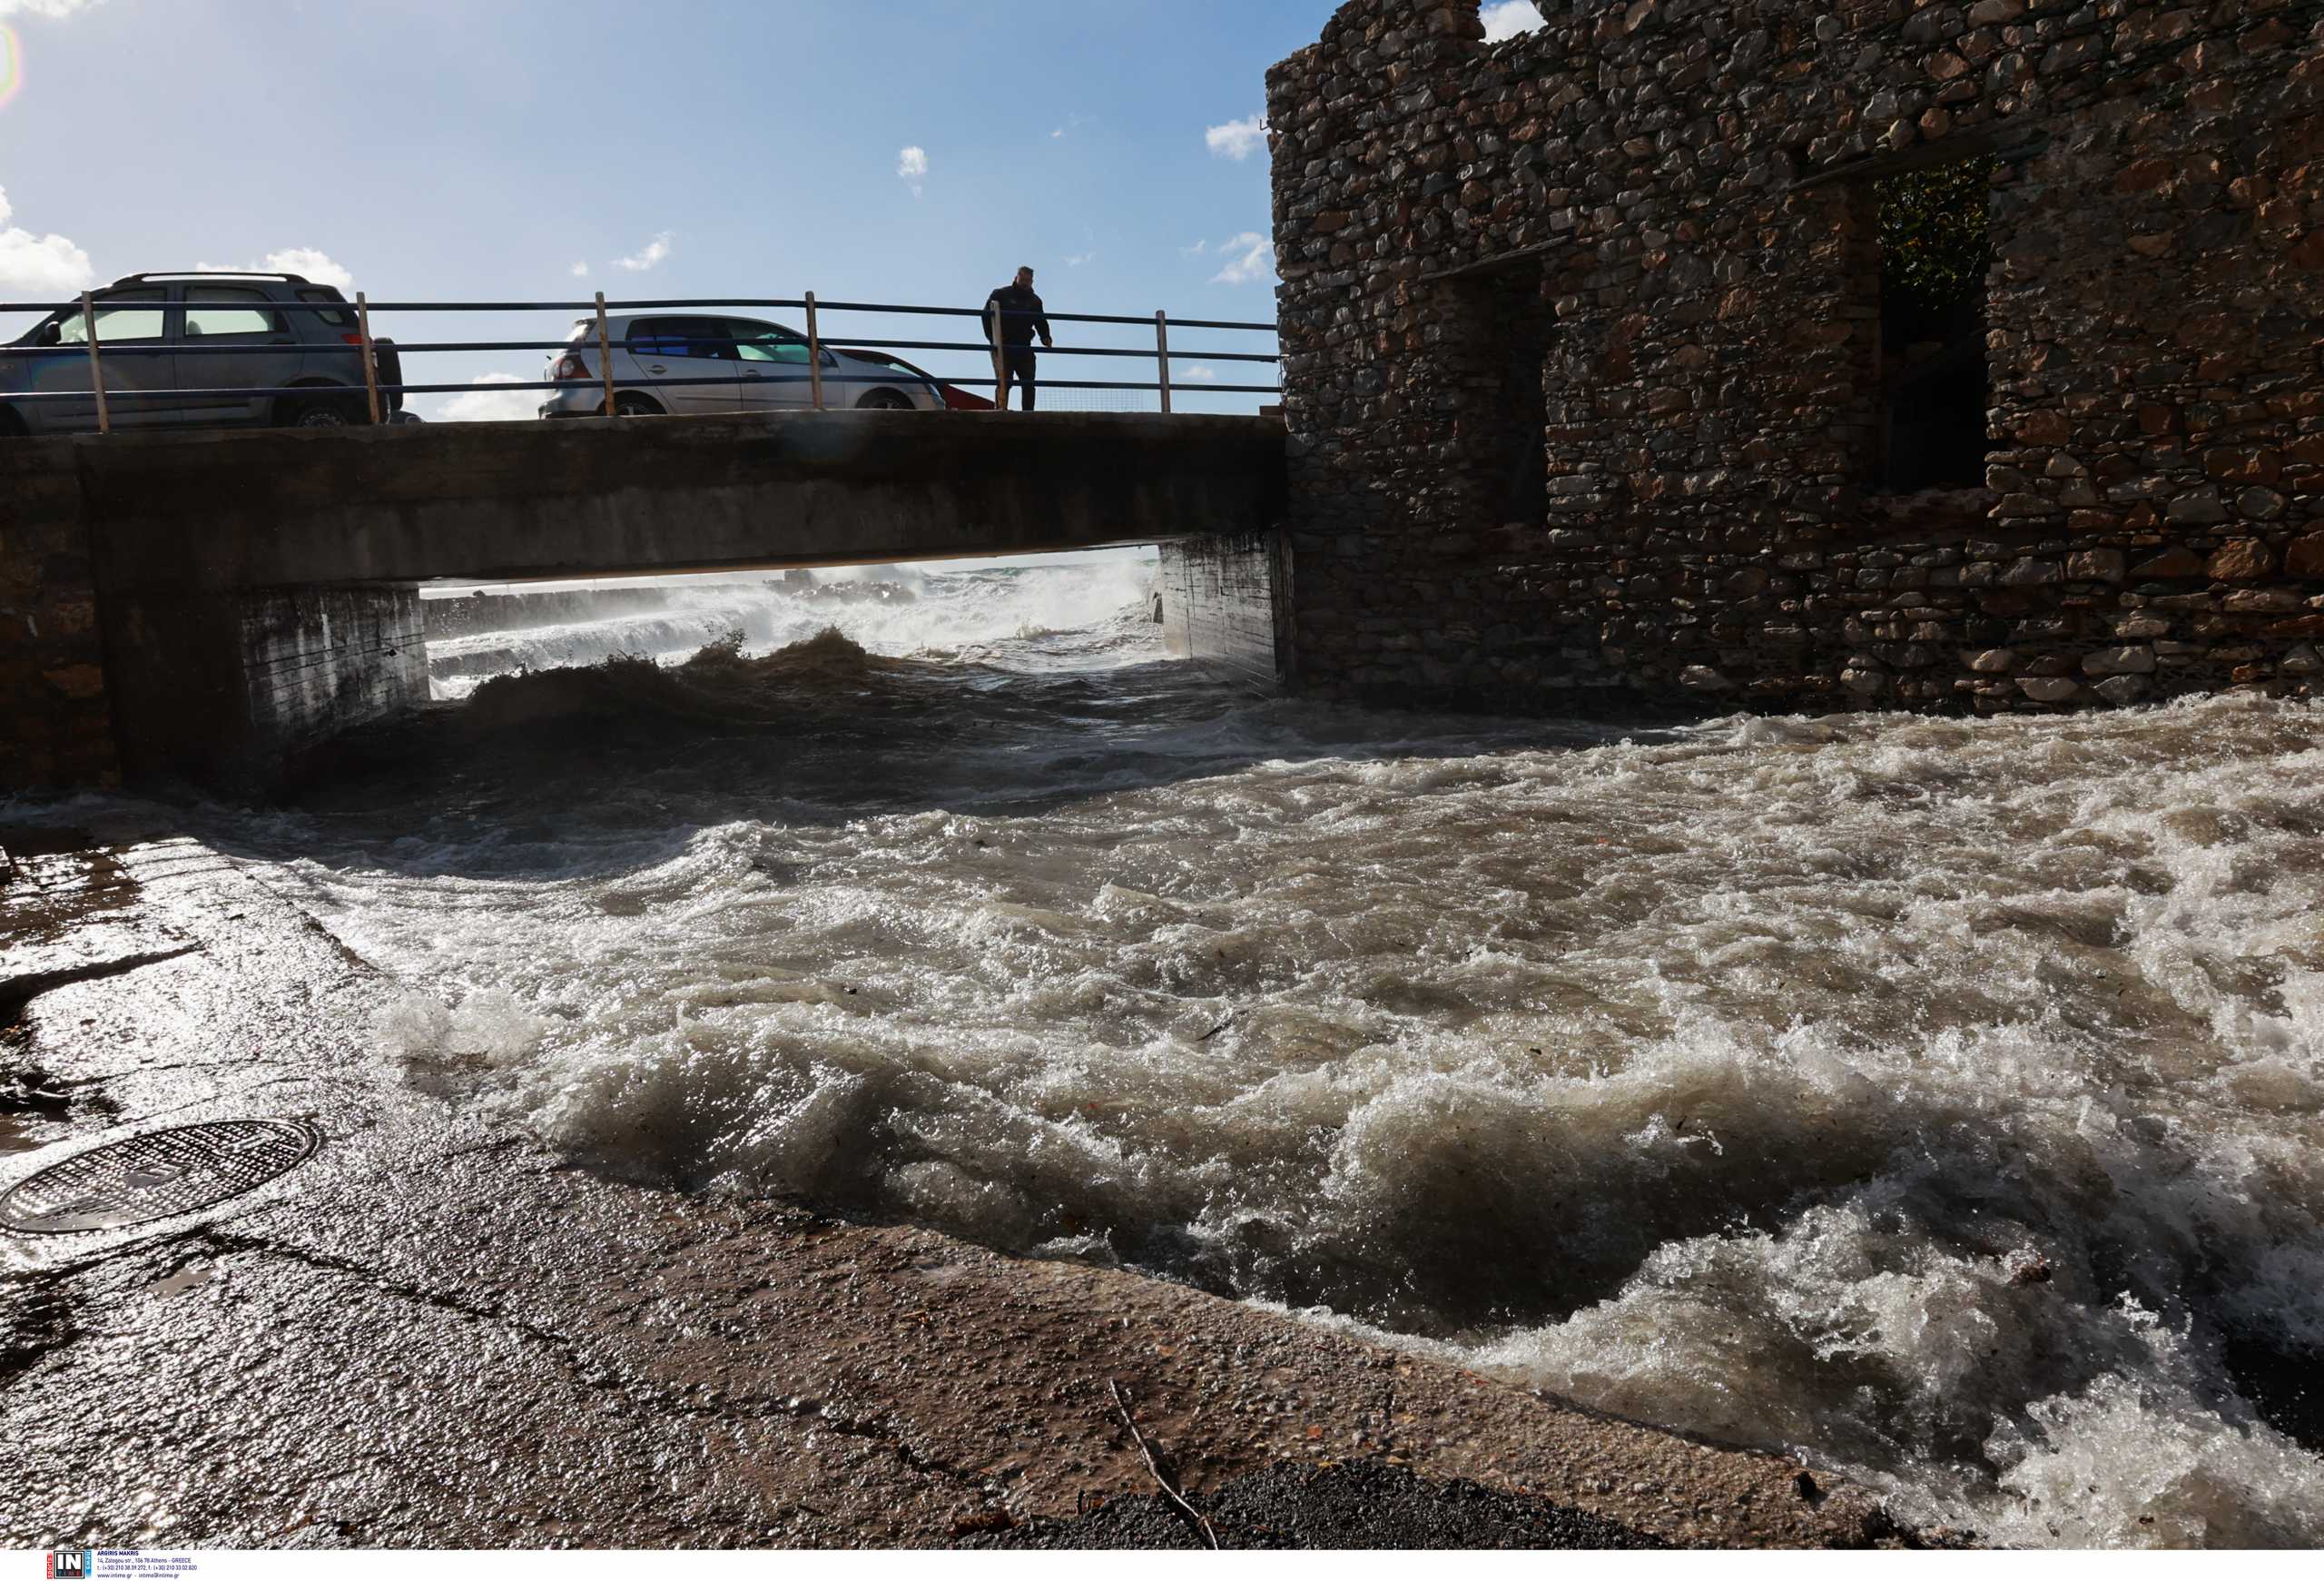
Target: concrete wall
column 317, row 660
column 225, row 687
column 1676, row 197
column 1221, row 605
column 483, row 611
column 55, row 727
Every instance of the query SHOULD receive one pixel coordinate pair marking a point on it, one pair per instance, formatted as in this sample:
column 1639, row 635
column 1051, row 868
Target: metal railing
column 593, row 333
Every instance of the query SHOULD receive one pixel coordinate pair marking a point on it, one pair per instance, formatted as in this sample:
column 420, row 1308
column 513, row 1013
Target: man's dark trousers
column 1017, row 368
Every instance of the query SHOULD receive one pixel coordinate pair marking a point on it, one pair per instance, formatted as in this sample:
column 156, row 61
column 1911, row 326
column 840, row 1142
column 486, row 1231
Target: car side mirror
column 51, row 333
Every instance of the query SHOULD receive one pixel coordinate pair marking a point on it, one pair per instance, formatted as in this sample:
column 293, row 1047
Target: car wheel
column 636, row 406
column 883, row 400
column 12, row 427
column 316, row 413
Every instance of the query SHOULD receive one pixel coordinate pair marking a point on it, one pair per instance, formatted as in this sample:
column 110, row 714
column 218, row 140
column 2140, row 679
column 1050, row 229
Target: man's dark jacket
column 1022, row 315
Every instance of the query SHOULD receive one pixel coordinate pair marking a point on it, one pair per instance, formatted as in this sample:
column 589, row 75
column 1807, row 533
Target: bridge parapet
column 250, row 591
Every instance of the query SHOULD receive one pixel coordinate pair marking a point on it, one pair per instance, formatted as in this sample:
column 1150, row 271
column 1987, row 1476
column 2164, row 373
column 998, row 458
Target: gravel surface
column 1365, row 1504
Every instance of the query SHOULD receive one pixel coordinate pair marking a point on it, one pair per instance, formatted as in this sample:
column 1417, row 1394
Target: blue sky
column 473, row 149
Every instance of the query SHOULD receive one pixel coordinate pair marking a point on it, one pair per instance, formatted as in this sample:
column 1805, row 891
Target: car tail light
column 352, row 339
column 570, row 367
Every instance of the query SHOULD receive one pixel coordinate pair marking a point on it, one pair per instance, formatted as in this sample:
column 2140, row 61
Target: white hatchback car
column 724, row 364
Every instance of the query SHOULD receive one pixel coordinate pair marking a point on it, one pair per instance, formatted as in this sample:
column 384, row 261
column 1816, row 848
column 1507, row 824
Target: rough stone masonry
column 1586, row 379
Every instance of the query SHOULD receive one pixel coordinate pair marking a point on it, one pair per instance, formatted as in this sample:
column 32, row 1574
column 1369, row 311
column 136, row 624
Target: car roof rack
column 205, row 273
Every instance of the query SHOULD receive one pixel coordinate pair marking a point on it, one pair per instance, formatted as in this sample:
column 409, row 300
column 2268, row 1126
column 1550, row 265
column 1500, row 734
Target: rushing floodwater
column 1942, row 1100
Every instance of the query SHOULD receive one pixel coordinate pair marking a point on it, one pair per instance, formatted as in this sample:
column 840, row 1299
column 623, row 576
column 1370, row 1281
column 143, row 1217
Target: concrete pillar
column 1223, row 604
column 227, row 686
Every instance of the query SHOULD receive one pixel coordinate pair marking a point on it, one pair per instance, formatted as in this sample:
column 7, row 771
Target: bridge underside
column 207, row 603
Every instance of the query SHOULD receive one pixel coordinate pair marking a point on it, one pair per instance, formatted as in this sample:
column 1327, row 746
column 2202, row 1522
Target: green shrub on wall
column 1935, row 243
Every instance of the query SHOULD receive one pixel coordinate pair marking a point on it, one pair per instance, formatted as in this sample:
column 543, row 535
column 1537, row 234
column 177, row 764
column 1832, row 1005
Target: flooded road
column 1941, row 1101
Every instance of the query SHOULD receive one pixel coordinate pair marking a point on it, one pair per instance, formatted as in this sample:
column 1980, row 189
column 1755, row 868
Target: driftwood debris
column 1202, row 1521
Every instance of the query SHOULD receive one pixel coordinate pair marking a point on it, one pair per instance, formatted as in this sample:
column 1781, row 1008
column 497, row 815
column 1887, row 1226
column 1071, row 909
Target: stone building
column 1596, row 382
column 55, row 727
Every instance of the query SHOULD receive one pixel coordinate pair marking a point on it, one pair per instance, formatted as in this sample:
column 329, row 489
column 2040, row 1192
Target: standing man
column 1011, row 315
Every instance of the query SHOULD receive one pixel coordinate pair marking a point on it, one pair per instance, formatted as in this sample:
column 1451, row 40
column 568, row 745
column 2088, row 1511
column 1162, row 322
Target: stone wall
column 55, row 729
column 1663, row 210
column 1220, row 605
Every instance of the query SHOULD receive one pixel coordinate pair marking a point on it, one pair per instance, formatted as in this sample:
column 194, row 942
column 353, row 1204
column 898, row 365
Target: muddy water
column 1944, row 1100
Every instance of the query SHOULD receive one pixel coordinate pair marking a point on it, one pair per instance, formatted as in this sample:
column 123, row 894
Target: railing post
column 606, row 357
column 814, row 355
column 1162, row 354
column 370, row 363
column 999, row 359
column 96, row 364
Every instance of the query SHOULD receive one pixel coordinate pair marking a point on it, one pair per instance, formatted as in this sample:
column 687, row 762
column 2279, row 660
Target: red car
column 955, row 398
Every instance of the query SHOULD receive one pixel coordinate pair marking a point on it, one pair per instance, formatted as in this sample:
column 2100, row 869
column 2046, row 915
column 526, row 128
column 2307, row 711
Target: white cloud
column 1249, row 256
column 1508, row 18
column 1197, row 251
column 39, row 268
column 912, row 166
column 314, row 263
column 1075, row 260
column 653, row 252
column 1198, row 374
column 486, row 404
column 49, row 8
column 579, row 271
column 1238, row 140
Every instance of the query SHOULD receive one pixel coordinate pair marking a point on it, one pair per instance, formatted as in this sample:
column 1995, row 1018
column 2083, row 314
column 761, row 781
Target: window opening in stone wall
column 1935, row 246
column 1498, row 352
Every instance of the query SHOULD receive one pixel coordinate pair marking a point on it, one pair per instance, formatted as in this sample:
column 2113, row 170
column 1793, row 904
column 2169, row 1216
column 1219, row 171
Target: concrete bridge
column 206, row 603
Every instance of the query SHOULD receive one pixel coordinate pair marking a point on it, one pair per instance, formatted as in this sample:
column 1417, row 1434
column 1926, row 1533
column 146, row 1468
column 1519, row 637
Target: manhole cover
column 155, row 1176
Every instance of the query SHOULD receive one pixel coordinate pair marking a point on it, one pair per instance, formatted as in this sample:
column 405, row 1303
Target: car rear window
column 215, row 311
column 343, row 319
column 681, row 338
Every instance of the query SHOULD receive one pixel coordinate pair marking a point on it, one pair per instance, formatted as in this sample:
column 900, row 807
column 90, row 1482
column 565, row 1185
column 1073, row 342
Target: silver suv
column 180, row 351
column 726, row 364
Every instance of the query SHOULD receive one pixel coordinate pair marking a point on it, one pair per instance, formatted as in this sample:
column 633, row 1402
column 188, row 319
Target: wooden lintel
column 1498, row 262
column 2001, row 142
